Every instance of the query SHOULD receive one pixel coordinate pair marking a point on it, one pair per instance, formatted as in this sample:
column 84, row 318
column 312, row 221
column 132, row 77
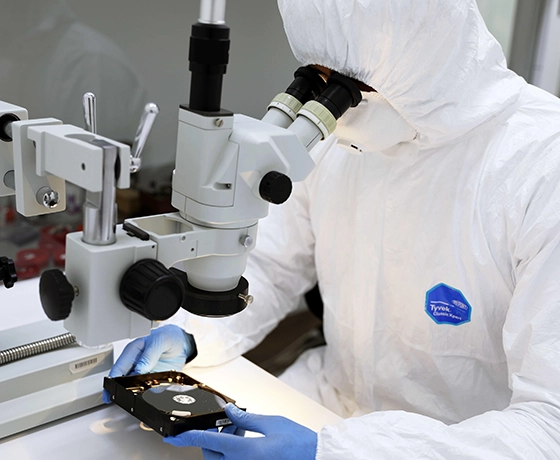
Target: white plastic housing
column 28, row 181
column 277, row 117
column 218, row 170
column 98, row 315
column 214, row 258
column 66, row 151
column 47, row 153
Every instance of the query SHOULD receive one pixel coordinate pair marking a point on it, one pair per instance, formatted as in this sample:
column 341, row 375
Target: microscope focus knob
column 8, row 274
column 275, row 187
column 151, row 290
column 57, row 295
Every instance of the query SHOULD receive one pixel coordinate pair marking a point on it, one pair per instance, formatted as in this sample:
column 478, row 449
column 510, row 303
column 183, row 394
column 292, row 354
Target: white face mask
column 373, row 126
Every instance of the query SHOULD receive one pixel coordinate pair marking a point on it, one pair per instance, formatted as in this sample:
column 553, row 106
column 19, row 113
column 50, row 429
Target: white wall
column 546, row 67
column 499, row 16
column 155, row 35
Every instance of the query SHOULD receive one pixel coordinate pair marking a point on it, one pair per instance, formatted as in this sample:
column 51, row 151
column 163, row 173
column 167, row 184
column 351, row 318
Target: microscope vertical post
column 212, row 12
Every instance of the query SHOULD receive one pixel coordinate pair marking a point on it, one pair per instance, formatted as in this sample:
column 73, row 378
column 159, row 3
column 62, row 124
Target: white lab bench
column 109, row 432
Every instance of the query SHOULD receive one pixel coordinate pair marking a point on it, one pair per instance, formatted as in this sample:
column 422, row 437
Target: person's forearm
column 523, row 431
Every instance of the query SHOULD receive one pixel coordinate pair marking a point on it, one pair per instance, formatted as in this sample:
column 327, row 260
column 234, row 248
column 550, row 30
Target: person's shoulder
column 538, row 111
column 521, row 157
column 85, row 57
column 81, row 43
column 530, row 135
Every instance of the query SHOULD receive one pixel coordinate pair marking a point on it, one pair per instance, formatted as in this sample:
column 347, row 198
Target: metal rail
column 36, row 348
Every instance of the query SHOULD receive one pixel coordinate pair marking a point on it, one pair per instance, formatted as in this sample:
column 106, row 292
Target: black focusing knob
column 57, row 295
column 5, row 129
column 8, row 274
column 151, row 290
column 275, row 187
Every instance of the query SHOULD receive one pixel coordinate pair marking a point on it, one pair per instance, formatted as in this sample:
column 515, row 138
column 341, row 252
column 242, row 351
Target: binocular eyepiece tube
column 310, row 106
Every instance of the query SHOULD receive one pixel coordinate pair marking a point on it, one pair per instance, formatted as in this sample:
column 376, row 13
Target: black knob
column 57, row 295
column 8, row 274
column 275, row 187
column 5, row 129
column 151, row 290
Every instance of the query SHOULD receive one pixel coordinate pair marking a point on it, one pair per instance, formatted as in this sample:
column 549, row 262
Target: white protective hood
column 433, row 60
column 439, row 274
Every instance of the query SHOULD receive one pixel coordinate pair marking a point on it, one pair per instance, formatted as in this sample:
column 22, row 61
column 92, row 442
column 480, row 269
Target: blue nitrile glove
column 283, row 439
column 167, row 347
column 230, row 429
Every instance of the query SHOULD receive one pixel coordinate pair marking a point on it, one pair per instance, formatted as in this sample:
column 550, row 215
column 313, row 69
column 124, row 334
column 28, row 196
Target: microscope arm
column 229, row 168
column 46, row 147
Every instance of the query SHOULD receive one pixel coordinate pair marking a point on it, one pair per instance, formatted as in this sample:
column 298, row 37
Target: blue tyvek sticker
column 446, row 305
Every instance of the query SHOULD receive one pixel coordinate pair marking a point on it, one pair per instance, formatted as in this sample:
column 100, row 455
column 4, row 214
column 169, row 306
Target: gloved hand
column 167, row 347
column 283, row 439
column 231, row 430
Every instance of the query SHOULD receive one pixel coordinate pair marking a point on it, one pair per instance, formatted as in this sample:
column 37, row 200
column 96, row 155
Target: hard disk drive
column 169, row 402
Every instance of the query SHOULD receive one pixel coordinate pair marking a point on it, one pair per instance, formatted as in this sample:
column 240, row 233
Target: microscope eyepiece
column 208, row 57
column 316, row 120
column 341, row 94
column 307, row 85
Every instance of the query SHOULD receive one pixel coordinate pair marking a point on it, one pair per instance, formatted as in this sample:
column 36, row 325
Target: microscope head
column 230, row 168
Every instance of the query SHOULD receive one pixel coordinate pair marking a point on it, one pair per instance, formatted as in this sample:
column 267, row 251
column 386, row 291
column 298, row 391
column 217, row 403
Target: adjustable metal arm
column 149, row 115
column 89, row 103
column 100, row 207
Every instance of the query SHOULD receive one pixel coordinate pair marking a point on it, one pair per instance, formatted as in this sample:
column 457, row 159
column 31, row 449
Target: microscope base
column 49, row 386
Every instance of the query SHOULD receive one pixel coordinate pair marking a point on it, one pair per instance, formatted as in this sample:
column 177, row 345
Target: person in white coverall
column 435, row 242
column 49, row 59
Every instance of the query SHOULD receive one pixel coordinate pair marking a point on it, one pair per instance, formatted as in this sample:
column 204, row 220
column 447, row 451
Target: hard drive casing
column 127, row 393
